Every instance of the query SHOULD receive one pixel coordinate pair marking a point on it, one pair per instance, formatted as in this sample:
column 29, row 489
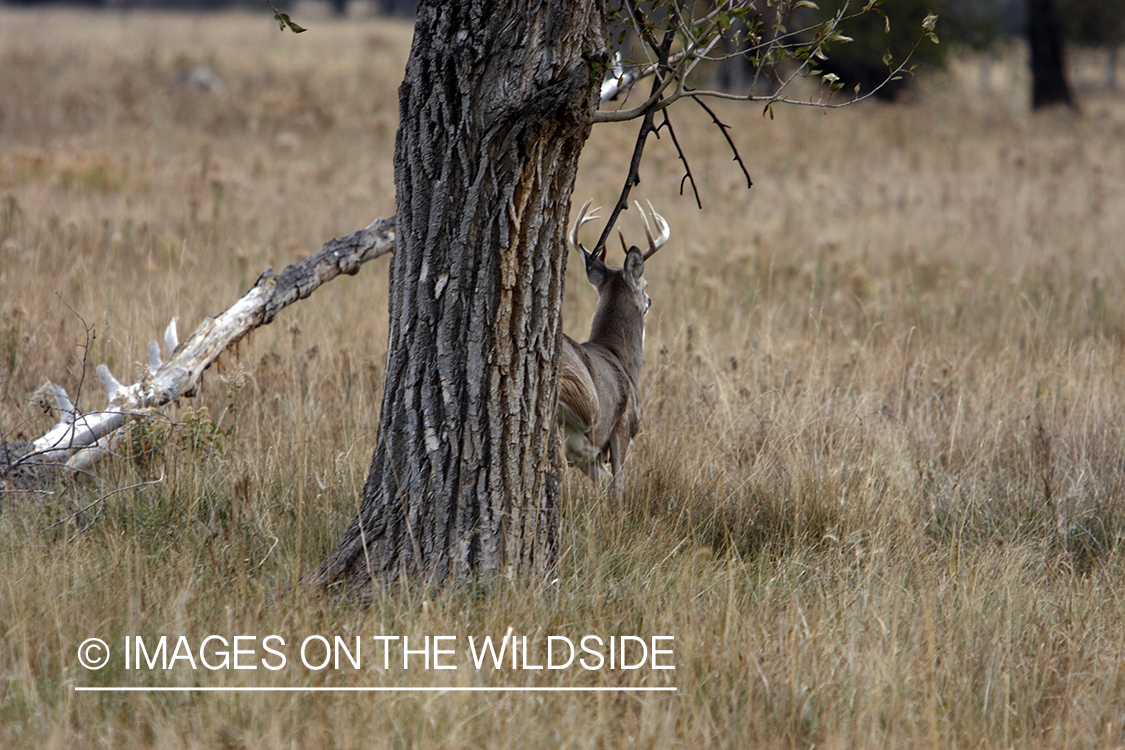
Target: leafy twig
column 284, row 21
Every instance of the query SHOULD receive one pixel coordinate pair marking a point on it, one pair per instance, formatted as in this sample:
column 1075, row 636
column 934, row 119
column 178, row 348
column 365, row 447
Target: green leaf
column 888, row 58
column 929, row 22
column 283, row 20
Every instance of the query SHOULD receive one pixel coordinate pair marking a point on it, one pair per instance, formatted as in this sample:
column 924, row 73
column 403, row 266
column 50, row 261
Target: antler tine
column 584, row 216
column 661, row 224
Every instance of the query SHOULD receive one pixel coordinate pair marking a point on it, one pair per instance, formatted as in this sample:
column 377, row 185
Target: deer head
column 623, row 299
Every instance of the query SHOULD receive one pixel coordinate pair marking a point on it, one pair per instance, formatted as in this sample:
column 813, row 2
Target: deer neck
column 621, row 329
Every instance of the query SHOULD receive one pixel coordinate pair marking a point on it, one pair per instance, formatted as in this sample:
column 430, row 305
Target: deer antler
column 584, row 216
column 661, row 224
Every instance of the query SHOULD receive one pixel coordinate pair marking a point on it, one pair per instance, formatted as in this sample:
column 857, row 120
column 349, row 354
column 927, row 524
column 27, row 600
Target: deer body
column 599, row 409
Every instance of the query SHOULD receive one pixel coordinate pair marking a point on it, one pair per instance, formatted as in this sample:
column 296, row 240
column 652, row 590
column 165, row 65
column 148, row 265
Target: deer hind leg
column 617, row 448
column 582, row 453
column 577, row 446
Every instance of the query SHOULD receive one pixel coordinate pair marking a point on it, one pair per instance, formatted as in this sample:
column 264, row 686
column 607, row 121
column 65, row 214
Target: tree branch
column 79, row 440
column 723, row 128
column 633, row 178
column 701, row 36
column 688, row 177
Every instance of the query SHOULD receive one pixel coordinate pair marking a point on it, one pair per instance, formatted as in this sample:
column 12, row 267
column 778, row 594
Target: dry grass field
column 879, row 498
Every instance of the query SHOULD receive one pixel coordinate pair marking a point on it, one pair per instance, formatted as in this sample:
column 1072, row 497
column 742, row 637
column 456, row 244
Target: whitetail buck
column 599, row 410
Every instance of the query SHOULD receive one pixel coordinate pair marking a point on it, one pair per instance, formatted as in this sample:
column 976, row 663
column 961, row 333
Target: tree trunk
column 1048, row 74
column 497, row 102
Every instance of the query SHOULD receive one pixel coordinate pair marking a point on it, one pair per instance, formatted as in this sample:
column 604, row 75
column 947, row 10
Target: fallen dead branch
column 79, row 440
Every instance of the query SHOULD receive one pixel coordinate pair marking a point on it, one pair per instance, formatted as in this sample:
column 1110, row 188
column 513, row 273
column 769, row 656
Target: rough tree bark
column 496, row 105
column 1048, row 74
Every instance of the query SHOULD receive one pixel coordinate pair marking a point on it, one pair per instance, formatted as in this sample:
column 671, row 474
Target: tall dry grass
column 878, row 496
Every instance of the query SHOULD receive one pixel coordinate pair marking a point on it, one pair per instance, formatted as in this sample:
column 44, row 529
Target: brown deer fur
column 599, row 409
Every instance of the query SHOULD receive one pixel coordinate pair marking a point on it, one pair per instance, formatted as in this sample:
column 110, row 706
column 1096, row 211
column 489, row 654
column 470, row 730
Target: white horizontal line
column 289, row 689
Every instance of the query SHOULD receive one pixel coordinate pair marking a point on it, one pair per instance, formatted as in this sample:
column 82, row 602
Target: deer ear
column 634, row 265
column 595, row 269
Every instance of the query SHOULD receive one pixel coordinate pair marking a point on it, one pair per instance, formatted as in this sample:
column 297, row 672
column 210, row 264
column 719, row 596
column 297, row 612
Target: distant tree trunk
column 736, row 72
column 397, row 7
column 496, row 105
column 1048, row 74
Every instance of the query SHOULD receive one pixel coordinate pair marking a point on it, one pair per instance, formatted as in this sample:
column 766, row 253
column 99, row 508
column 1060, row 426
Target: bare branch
column 80, row 439
column 688, row 177
column 633, row 177
column 74, row 516
column 723, row 128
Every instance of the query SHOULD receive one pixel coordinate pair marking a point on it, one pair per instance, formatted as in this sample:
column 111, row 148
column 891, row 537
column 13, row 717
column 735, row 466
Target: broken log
column 79, row 440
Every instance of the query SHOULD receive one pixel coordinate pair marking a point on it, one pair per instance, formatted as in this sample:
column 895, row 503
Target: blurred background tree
column 1049, row 85
column 1099, row 24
